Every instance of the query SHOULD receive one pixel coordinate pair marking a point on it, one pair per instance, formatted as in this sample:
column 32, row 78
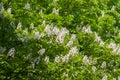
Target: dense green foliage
column 59, row 39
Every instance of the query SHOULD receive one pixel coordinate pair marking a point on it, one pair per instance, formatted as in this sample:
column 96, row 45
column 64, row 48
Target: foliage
column 59, row 40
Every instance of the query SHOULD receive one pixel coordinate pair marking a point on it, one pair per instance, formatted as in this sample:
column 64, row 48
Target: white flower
column 2, row 49
column 48, row 30
column 31, row 26
column 37, row 60
column 103, row 64
column 27, row 6
column 73, row 51
column 11, row 52
column 56, row 30
column 97, row 38
column 9, row 10
column 57, row 59
column 87, row 30
column 25, row 31
column 94, row 68
column 69, row 44
column 61, row 35
column 65, row 74
column 56, row 11
column 102, row 12
column 102, row 43
column 60, row 39
column 65, row 58
column 112, row 45
column 115, row 50
column 118, row 77
column 113, row 8
column 65, row 31
column 37, row 35
column 44, row 23
column 73, row 37
column 41, row 51
column 1, row 6
column 46, row 59
column 19, row 25
column 86, row 60
column 104, row 77
column 114, row 70
column 42, row 35
column 33, row 65
column 40, row 12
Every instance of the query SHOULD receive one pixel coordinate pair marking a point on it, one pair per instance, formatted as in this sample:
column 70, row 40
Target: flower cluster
column 11, row 53
column 58, row 40
column 87, row 30
column 54, row 30
column 27, row 6
column 98, row 39
column 19, row 26
column 61, row 35
column 2, row 49
column 115, row 48
column 87, row 60
column 1, row 6
column 72, row 52
column 56, row 11
column 72, row 39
